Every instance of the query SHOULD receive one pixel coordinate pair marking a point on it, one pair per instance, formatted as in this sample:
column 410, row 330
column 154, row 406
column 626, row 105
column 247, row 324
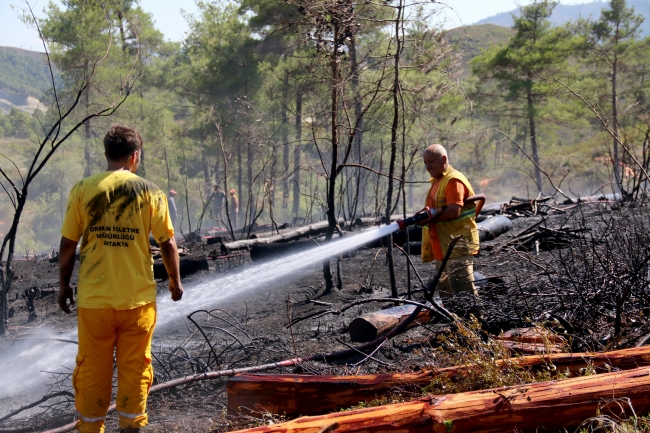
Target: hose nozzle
column 422, row 216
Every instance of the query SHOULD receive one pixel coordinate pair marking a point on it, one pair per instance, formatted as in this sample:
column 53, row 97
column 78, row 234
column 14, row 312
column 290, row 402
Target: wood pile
column 294, row 394
column 539, row 237
column 520, row 207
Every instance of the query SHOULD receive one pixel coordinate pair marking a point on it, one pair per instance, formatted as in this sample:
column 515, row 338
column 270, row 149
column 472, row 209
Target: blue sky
column 168, row 18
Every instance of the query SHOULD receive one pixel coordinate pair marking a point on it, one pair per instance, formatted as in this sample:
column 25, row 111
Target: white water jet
column 23, row 365
column 208, row 293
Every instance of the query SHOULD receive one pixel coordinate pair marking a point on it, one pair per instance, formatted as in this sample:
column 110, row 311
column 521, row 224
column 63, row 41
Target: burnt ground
column 251, row 328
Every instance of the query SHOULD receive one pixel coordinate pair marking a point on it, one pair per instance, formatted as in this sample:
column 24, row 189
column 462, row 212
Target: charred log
column 492, row 227
column 263, row 251
column 311, row 230
column 188, row 265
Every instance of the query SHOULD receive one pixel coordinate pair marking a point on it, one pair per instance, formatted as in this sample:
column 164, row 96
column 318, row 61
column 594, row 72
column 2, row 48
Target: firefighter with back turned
column 113, row 213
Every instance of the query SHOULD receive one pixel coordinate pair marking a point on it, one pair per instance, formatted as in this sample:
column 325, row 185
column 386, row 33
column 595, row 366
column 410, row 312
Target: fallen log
column 295, row 394
column 399, row 238
column 532, row 335
column 269, row 248
column 188, row 265
column 300, row 232
column 531, row 348
column 490, row 228
column 266, row 251
column 373, row 325
column 548, row 405
column 529, row 341
column 491, row 209
column 413, row 248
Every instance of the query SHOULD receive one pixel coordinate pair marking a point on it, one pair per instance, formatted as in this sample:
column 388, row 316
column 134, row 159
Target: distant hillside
column 471, row 40
column 24, row 78
column 564, row 13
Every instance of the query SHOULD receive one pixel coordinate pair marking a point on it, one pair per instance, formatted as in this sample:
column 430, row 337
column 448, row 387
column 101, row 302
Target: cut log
column 295, row 394
column 526, row 408
column 490, row 228
column 188, row 265
column 370, row 326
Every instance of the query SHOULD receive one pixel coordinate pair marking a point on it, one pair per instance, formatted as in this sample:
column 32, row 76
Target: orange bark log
column 551, row 405
column 295, row 394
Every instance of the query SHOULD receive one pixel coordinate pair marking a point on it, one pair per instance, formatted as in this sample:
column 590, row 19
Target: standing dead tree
column 329, row 26
column 63, row 125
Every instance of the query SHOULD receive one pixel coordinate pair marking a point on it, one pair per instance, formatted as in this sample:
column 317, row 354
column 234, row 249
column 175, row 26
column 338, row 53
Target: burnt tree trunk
column 297, row 155
column 393, row 151
column 285, row 144
column 331, row 181
column 359, row 184
column 239, row 182
column 533, row 134
column 87, row 132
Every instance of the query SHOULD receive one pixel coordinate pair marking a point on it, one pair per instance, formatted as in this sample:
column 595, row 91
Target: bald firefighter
column 113, row 213
column 447, row 194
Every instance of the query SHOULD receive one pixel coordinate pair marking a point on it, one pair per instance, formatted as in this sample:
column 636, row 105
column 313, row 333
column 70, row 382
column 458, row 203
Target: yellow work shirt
column 114, row 212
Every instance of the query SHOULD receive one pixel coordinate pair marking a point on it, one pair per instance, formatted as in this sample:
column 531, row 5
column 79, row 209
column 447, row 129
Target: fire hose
column 427, row 214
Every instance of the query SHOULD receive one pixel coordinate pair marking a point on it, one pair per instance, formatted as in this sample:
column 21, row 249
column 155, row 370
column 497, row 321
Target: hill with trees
column 309, row 122
column 562, row 14
column 23, row 74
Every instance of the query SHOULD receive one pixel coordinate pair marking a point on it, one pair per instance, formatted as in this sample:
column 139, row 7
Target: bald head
column 436, row 150
column 435, row 160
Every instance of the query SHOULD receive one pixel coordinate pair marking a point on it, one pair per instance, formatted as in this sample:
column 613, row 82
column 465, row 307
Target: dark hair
column 121, row 141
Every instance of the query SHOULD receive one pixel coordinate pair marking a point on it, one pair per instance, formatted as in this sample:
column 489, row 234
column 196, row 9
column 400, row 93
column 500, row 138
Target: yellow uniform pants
column 458, row 277
column 128, row 333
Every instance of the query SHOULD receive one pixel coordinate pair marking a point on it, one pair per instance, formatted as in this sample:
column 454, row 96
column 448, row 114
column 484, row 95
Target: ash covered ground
column 583, row 273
